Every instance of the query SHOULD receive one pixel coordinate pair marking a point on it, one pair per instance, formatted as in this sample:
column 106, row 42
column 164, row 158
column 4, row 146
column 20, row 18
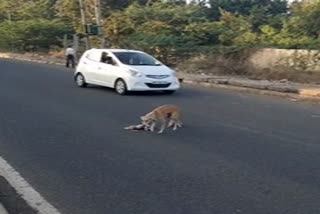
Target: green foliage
column 118, row 27
column 32, row 34
column 299, row 30
column 205, row 33
column 69, row 11
column 161, row 28
column 22, row 10
column 247, row 7
column 237, row 30
column 167, row 29
column 306, row 18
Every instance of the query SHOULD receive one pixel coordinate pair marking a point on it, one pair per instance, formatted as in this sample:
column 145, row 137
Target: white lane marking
column 28, row 193
column 3, row 210
column 315, row 116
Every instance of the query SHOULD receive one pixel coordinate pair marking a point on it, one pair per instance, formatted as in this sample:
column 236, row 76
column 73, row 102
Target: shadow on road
column 183, row 92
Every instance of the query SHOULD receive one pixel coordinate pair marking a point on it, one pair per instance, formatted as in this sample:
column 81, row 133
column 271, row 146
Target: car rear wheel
column 80, row 81
column 121, row 87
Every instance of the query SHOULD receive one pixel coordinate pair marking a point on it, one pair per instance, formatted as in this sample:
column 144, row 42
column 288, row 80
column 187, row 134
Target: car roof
column 116, row 50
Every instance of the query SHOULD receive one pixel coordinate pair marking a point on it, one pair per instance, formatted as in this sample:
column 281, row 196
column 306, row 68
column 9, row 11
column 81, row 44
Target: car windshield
column 136, row 58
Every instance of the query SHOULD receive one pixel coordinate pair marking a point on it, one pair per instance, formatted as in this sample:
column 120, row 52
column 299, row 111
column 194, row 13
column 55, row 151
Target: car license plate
column 159, row 82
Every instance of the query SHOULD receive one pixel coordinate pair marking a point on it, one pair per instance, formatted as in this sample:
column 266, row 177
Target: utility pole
column 9, row 21
column 98, row 21
column 84, row 22
column 76, row 46
column 9, row 17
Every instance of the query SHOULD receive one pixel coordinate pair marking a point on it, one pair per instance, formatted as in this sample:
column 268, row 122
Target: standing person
column 70, row 56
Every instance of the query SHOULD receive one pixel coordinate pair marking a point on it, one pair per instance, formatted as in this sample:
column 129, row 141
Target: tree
column 306, row 16
column 70, row 11
column 35, row 34
column 35, row 9
column 236, row 30
column 206, row 33
column 160, row 28
column 245, row 7
column 23, row 10
column 118, row 26
column 300, row 29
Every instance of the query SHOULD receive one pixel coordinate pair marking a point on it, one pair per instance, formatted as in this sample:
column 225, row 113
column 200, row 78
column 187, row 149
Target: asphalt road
column 238, row 153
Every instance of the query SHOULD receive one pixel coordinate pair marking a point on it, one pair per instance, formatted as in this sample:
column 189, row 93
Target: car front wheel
column 121, row 87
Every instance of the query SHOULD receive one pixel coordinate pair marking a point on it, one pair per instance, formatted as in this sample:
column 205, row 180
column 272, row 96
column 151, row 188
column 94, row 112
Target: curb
column 245, row 83
column 289, row 95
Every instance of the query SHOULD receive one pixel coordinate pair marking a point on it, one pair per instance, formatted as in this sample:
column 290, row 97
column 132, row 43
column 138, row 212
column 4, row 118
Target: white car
column 125, row 70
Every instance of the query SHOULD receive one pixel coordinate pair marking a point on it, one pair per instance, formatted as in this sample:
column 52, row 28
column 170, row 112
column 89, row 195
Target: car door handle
column 99, row 68
column 84, row 63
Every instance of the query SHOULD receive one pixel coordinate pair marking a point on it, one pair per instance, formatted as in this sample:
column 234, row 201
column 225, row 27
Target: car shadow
column 131, row 93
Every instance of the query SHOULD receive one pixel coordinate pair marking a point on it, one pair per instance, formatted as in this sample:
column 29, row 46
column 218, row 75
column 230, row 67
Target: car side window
column 104, row 57
column 107, row 59
column 94, row 56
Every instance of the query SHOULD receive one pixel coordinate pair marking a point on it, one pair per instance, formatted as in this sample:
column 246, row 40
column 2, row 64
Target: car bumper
column 148, row 84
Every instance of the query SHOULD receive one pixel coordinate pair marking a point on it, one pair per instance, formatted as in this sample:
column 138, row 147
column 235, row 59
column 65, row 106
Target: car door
column 92, row 62
column 108, row 69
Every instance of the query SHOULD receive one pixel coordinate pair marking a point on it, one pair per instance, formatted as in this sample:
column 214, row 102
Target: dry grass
column 56, row 53
column 215, row 65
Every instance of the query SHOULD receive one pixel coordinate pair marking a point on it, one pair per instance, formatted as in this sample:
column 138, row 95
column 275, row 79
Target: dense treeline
column 165, row 27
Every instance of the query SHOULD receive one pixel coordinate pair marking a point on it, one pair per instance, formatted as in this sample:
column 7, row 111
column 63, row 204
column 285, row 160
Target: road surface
column 237, row 153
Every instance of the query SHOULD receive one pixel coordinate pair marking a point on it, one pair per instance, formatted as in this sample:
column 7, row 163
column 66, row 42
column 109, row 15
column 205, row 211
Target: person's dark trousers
column 70, row 58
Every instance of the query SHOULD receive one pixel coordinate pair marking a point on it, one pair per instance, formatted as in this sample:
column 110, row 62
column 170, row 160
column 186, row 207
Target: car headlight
column 174, row 73
column 135, row 73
